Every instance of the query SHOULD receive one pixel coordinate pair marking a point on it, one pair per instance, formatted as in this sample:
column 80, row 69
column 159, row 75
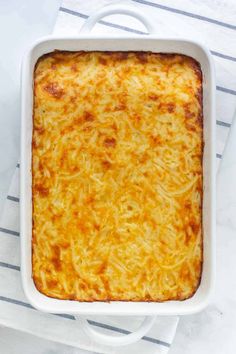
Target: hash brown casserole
column 117, row 176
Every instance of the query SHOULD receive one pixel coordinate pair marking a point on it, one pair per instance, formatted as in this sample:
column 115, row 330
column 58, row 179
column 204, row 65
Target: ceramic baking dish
column 153, row 43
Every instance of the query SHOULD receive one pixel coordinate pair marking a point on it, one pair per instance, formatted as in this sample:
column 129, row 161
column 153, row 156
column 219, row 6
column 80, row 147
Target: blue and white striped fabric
column 208, row 21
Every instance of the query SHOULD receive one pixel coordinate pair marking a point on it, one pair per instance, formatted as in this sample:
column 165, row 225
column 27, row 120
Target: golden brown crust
column 117, row 176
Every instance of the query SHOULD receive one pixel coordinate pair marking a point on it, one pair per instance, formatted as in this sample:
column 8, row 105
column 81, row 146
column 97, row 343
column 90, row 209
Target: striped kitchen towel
column 208, row 21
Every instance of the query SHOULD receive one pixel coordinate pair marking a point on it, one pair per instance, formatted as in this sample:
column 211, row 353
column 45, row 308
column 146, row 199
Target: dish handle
column 116, row 9
column 113, row 341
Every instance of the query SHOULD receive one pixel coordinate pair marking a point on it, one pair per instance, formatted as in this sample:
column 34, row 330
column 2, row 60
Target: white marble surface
column 211, row 331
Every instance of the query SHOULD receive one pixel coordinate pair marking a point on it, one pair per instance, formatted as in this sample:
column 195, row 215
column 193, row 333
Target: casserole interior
column 117, row 176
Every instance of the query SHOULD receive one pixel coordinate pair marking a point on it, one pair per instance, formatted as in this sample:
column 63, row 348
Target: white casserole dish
column 152, row 43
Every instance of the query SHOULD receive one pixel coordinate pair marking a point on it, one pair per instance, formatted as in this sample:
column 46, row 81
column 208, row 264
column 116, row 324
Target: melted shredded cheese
column 117, row 176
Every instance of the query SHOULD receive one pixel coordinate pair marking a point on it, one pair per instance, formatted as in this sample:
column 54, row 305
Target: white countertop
column 211, row 331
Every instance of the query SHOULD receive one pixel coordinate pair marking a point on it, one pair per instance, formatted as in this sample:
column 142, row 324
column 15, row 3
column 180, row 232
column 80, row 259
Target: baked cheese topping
column 117, row 176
